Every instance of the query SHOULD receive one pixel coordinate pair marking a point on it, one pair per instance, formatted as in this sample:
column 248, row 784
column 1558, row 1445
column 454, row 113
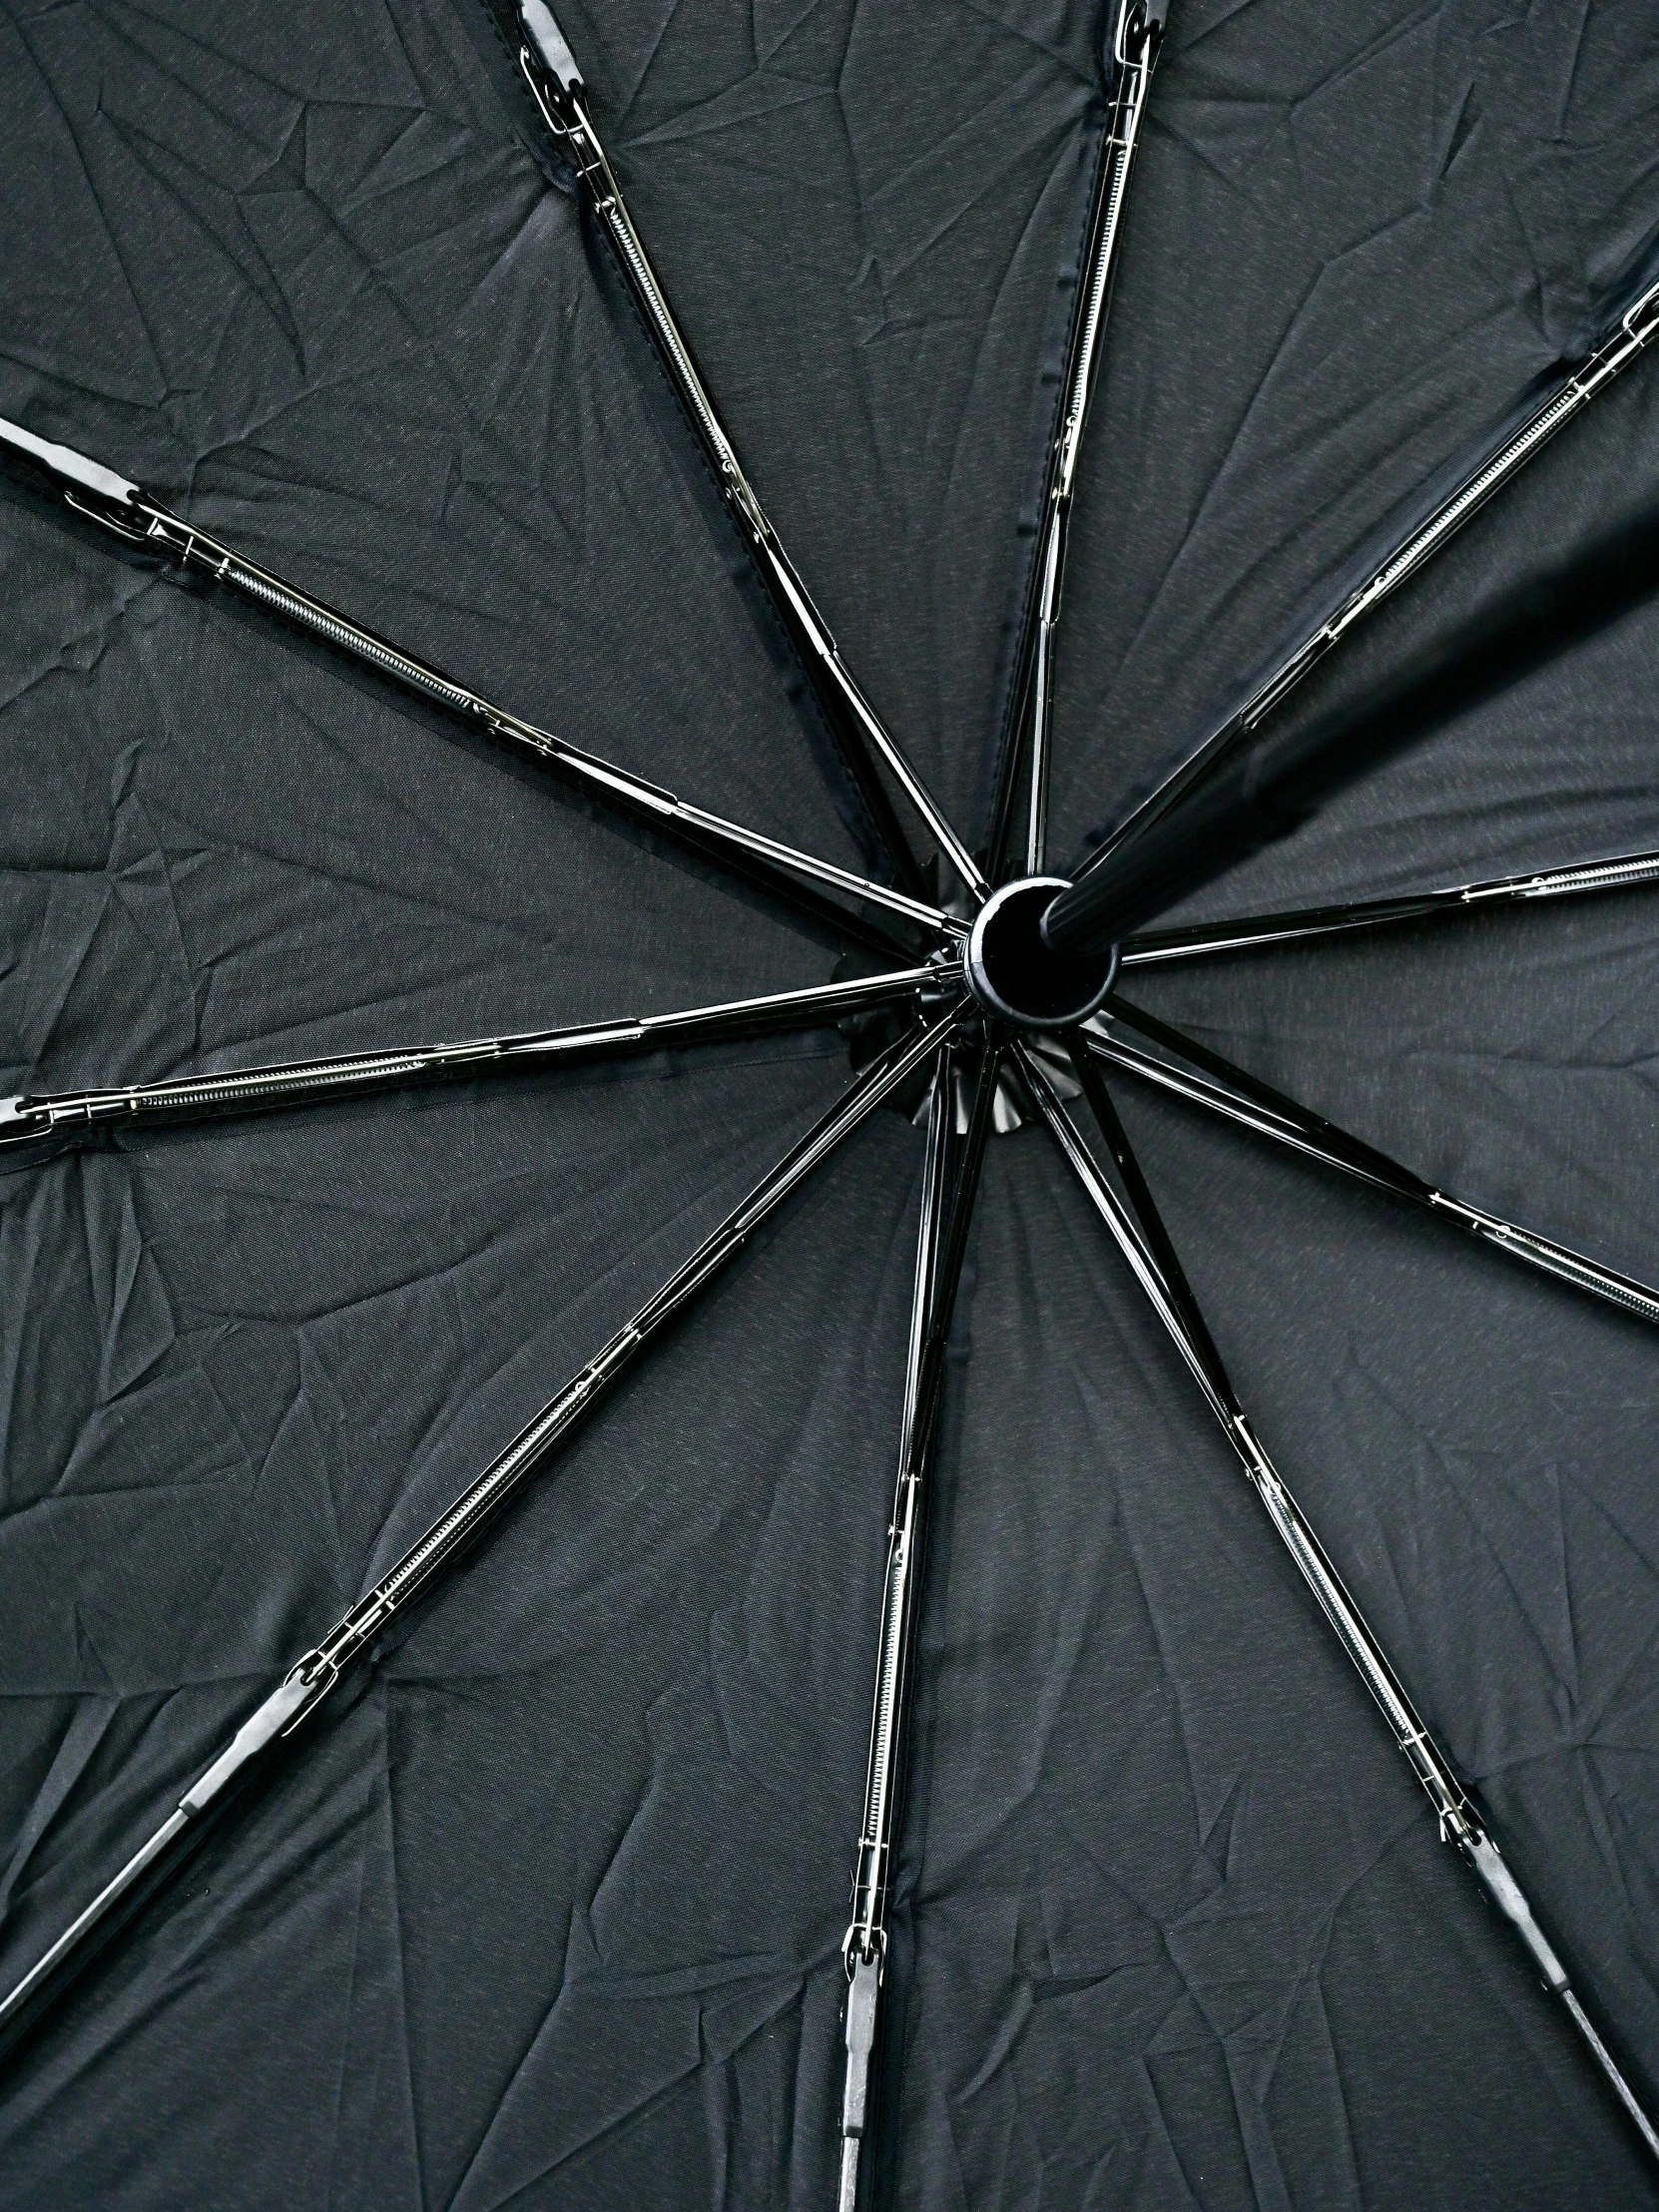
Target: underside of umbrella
column 824, row 924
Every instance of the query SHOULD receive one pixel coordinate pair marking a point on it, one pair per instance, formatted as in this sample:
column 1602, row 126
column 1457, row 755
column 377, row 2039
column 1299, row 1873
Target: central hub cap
column 1017, row 977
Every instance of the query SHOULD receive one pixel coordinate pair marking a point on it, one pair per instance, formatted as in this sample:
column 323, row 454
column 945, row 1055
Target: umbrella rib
column 1245, row 1099
column 97, row 492
column 1146, row 1247
column 1196, row 940
column 1136, row 42
column 1617, row 349
column 1260, row 795
column 556, row 85
column 312, row 1676
column 942, row 1240
column 34, row 1124
column 953, row 1163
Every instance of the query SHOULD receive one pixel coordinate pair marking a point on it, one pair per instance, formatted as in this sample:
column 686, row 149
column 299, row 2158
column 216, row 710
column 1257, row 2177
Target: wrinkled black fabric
column 543, row 1908
column 1182, row 1931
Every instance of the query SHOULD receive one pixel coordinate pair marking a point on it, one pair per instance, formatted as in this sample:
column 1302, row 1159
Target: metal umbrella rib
column 1198, row 940
column 1250, row 799
column 1247, row 1103
column 960, row 1008
column 1146, row 1246
column 311, row 1677
column 1631, row 331
column 1136, row 37
column 950, row 1179
column 555, row 82
column 95, row 492
column 28, row 1123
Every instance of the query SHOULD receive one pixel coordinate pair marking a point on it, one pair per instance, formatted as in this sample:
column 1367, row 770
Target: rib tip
column 548, row 40
column 26, row 1135
column 64, row 461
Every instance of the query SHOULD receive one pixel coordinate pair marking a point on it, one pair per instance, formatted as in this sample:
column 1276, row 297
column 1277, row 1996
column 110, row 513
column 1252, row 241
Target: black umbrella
column 385, row 1830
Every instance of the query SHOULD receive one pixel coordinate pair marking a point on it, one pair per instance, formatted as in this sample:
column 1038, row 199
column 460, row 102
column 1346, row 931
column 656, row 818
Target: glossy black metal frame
column 984, row 1064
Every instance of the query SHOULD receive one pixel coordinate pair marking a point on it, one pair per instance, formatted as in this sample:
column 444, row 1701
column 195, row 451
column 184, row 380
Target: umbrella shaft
column 1634, row 330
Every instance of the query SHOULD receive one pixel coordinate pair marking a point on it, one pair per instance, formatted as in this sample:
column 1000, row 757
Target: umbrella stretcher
column 998, row 1000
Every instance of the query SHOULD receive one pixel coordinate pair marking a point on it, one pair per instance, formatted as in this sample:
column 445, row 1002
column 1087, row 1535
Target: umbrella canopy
column 546, row 1902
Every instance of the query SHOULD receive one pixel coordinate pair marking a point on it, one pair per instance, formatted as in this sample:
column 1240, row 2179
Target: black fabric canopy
column 545, row 1904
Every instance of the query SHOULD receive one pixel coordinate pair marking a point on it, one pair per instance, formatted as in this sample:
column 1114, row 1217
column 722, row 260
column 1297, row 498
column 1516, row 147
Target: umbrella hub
column 1017, row 977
